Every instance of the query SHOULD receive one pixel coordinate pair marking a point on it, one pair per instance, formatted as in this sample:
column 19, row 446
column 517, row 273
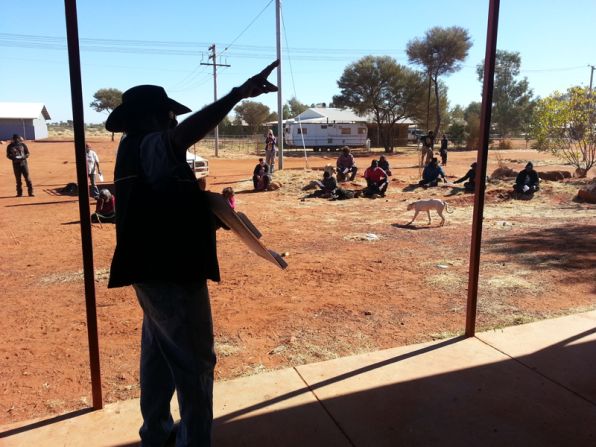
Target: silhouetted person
column 470, row 176
column 105, row 208
column 166, row 249
column 443, row 150
column 18, row 153
column 527, row 181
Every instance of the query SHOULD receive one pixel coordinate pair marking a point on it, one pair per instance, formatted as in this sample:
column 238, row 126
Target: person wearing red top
column 376, row 180
column 105, row 208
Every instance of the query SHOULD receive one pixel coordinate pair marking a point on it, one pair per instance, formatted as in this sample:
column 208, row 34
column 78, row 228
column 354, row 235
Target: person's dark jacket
column 17, row 152
column 432, row 172
column 153, row 224
column 531, row 176
column 470, row 176
column 258, row 167
column 384, row 165
column 329, row 184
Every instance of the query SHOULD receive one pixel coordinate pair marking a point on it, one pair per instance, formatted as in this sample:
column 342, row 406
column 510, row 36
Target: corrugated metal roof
column 23, row 110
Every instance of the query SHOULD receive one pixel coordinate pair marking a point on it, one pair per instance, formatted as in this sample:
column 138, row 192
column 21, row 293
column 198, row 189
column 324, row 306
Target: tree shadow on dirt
column 571, row 248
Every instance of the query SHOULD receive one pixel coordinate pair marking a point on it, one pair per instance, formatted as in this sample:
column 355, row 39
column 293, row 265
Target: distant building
column 23, row 118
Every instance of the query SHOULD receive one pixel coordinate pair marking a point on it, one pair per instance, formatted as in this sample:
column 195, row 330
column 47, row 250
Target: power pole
column 212, row 56
column 592, row 68
column 280, row 112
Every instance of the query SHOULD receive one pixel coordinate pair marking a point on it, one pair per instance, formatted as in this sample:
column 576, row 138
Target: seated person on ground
column 527, row 181
column 326, row 187
column 384, row 165
column 431, row 174
column 105, row 208
column 470, row 185
column 346, row 165
column 376, row 180
column 260, row 176
column 228, row 194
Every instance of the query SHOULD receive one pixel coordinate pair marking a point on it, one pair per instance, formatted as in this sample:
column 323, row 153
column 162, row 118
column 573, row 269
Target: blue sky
column 130, row 42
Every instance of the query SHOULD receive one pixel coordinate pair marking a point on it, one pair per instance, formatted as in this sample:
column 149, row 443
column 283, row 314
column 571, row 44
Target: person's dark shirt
column 261, row 169
column 329, row 184
column 470, row 175
column 384, row 165
column 526, row 177
column 432, row 172
column 18, row 152
column 428, row 141
column 444, row 143
column 345, row 161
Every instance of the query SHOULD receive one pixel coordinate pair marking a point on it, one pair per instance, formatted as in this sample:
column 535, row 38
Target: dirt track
column 340, row 295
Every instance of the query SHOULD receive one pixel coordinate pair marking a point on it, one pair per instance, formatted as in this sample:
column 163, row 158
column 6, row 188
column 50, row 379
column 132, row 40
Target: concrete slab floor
column 529, row 385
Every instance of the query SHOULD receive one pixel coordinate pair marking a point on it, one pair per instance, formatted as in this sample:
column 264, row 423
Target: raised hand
column 258, row 84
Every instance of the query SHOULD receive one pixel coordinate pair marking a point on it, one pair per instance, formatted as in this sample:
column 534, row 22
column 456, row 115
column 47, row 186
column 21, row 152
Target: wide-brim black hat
column 142, row 97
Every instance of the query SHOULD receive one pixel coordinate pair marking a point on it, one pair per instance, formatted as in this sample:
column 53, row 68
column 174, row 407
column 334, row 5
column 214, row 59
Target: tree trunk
column 112, row 136
column 437, row 107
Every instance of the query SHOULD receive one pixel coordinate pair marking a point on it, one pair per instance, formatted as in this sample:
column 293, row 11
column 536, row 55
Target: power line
column 247, row 27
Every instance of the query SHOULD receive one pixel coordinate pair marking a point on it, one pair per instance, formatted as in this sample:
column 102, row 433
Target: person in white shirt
column 92, row 170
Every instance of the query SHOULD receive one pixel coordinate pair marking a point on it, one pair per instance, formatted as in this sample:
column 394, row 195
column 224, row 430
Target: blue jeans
column 176, row 354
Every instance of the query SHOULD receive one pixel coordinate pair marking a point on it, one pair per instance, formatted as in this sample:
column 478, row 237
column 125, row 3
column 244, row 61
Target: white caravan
column 325, row 135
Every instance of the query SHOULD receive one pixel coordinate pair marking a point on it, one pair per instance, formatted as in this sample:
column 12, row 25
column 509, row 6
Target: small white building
column 23, row 118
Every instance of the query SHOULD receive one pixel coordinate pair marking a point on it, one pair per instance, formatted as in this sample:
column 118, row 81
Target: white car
column 198, row 164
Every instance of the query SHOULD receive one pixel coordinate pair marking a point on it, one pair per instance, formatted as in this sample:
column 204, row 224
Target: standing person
column 18, row 153
column 428, row 142
column 346, row 165
column 443, row 150
column 376, row 180
column 270, row 150
column 159, row 204
column 92, row 170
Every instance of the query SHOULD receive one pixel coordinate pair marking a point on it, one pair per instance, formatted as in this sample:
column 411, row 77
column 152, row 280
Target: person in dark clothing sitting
column 527, row 181
column 470, row 176
column 260, row 176
column 384, row 165
column 431, row 174
column 327, row 186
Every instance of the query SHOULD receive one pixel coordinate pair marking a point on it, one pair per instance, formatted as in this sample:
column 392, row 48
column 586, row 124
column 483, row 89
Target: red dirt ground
column 340, row 295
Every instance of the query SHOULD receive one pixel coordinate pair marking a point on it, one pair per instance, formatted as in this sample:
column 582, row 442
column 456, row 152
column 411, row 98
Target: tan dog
column 426, row 205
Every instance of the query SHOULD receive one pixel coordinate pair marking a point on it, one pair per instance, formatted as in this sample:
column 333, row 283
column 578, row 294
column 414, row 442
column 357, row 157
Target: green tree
column 472, row 129
column 383, row 88
column 253, row 113
column 106, row 100
column 421, row 107
column 295, row 107
column 512, row 97
column 457, row 125
column 440, row 52
column 564, row 125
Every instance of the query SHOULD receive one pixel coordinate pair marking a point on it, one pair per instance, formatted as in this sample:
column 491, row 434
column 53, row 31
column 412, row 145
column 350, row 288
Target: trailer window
column 302, row 130
column 346, row 130
column 323, row 126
